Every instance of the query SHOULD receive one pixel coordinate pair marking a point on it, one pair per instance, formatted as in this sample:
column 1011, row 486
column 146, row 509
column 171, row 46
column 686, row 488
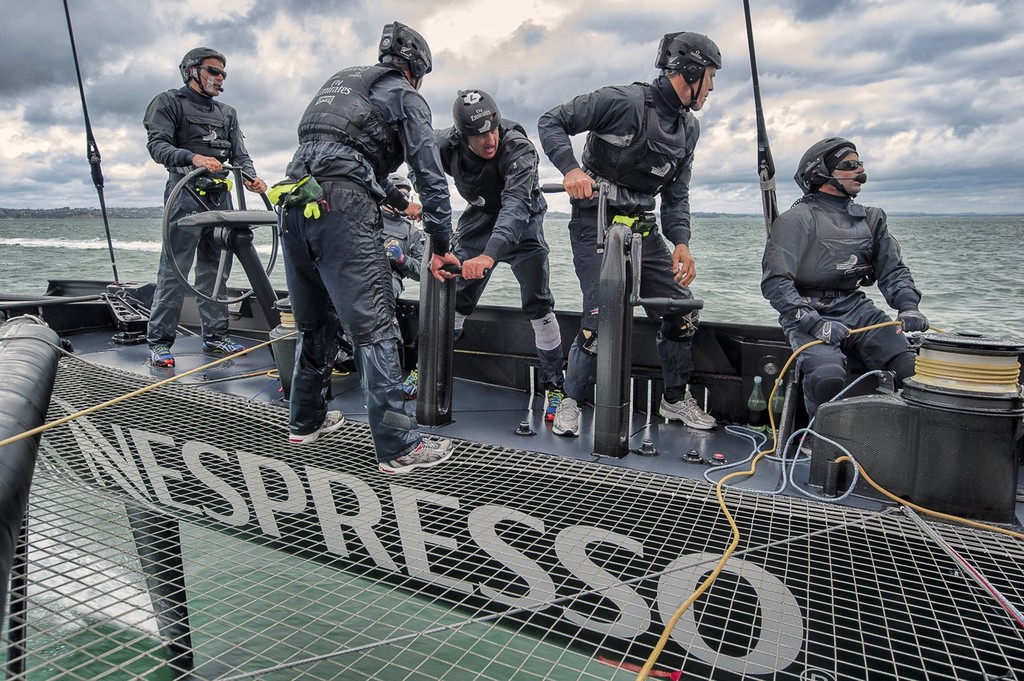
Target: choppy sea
column 970, row 268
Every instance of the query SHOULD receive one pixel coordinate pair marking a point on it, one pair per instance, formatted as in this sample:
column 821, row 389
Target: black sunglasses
column 849, row 165
column 214, row 71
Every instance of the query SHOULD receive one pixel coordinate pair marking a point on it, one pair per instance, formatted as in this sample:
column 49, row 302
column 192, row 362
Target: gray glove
column 830, row 332
column 913, row 320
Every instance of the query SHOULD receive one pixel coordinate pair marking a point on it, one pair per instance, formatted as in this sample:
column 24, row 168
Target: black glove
column 831, row 332
column 913, row 320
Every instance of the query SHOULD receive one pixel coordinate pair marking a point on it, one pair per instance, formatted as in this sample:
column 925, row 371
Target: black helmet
column 689, row 54
column 812, row 172
column 195, row 57
column 475, row 112
column 400, row 181
column 398, row 41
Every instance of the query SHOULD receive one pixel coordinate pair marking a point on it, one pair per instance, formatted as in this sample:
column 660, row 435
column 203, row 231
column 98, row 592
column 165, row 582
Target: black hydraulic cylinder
column 435, row 342
column 241, row 243
column 615, row 338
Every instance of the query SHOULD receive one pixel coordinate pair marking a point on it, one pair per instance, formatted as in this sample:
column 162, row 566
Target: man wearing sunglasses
column 187, row 129
column 818, row 255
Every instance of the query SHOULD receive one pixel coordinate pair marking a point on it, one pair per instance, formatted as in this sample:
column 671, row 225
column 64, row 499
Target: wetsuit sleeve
column 422, row 155
column 162, row 118
column 445, row 146
column 894, row 278
column 786, row 245
column 595, row 111
column 239, row 154
column 675, row 196
column 519, row 173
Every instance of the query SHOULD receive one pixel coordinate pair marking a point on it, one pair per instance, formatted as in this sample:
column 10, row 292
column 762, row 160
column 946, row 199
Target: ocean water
column 970, row 269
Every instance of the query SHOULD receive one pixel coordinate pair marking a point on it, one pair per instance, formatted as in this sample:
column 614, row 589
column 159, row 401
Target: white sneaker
column 688, row 411
column 567, row 418
column 332, row 421
column 430, row 452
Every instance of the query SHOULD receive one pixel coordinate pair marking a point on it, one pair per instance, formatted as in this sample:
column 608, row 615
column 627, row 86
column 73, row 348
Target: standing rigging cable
column 765, row 164
column 92, row 152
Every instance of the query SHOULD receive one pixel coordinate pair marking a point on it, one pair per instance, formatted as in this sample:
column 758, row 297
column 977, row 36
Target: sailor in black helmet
column 494, row 165
column 641, row 139
column 403, row 239
column 186, row 129
column 359, row 127
column 818, row 255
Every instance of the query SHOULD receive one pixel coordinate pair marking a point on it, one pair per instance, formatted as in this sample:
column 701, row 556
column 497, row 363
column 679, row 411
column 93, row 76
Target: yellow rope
column 928, row 511
column 140, row 391
column 706, row 584
column 968, row 373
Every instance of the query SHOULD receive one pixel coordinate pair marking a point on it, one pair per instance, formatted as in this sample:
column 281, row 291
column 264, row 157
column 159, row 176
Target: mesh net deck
column 306, row 562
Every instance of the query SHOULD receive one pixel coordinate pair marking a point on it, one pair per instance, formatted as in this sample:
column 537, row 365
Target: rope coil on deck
column 974, row 375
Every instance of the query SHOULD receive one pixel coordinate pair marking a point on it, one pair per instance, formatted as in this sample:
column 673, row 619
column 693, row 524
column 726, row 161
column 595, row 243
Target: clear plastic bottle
column 757, row 407
column 778, row 402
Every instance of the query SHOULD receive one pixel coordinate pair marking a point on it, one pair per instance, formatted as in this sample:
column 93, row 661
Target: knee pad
column 546, row 333
column 587, row 341
column 903, row 365
column 824, row 382
column 680, row 327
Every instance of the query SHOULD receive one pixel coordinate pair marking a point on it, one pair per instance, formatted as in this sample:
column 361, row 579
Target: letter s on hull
column 483, row 523
column 571, row 547
column 782, row 630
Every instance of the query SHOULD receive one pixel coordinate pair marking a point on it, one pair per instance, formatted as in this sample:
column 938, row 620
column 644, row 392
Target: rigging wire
column 765, row 162
column 92, row 152
column 121, row 398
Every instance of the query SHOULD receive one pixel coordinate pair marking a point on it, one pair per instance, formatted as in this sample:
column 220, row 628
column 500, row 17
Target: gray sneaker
column 332, row 421
column 688, row 411
column 567, row 418
column 430, row 452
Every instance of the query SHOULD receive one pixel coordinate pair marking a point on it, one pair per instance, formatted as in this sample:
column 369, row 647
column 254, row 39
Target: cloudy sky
column 932, row 91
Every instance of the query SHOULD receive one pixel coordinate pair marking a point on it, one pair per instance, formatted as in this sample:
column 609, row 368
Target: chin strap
column 839, row 185
column 695, row 89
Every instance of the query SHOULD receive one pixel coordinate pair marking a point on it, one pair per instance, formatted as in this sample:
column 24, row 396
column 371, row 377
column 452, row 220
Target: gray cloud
column 932, row 91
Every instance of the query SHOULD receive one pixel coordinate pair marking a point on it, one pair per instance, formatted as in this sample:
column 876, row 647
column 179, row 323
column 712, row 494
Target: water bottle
column 757, row 407
column 778, row 402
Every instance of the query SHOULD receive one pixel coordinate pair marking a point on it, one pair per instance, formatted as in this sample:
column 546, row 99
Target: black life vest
column 479, row 181
column 651, row 158
column 204, row 131
column 398, row 228
column 341, row 111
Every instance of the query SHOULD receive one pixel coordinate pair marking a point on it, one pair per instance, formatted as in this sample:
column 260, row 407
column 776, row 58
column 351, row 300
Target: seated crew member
column 818, row 255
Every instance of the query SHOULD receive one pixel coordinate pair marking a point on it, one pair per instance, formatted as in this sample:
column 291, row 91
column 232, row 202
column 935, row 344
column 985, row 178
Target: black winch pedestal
column 948, row 442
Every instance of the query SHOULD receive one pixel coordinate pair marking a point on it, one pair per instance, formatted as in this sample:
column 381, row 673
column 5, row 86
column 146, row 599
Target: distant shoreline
column 157, row 212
